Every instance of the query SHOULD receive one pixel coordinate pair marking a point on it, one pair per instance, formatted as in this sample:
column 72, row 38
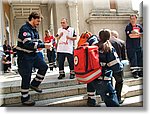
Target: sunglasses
column 62, row 22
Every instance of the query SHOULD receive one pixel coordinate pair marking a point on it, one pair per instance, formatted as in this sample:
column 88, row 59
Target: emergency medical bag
column 83, row 38
column 86, row 63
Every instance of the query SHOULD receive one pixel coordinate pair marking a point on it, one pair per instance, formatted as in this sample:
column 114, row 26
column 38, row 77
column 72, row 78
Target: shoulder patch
column 26, row 34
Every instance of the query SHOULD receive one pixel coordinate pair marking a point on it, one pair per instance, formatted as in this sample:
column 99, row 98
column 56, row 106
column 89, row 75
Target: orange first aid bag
column 86, row 63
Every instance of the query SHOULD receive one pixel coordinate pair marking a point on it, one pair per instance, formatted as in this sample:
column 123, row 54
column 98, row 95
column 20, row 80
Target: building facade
column 83, row 15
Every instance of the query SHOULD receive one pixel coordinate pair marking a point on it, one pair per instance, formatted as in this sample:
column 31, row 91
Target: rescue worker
column 119, row 46
column 134, row 33
column 51, row 53
column 103, row 85
column 66, row 36
column 28, row 43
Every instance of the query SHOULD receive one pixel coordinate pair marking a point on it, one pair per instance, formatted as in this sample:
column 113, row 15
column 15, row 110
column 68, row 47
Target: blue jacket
column 28, row 39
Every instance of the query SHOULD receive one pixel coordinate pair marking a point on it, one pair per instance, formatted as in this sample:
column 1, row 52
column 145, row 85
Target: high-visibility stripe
column 102, row 63
column 39, row 75
column 25, row 95
column 104, row 78
column 134, row 71
column 61, row 72
column 24, row 90
column 35, row 45
column 90, row 76
column 112, row 63
column 38, row 80
column 90, row 93
column 136, row 68
column 26, row 39
column 25, row 50
column 115, row 54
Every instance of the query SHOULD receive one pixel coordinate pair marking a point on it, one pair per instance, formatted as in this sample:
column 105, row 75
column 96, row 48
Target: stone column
column 60, row 10
column 73, row 13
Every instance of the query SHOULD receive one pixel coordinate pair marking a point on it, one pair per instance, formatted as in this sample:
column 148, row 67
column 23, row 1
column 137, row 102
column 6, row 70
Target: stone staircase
column 65, row 92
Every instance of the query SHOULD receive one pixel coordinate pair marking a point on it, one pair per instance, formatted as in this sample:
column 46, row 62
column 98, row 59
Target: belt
column 104, row 78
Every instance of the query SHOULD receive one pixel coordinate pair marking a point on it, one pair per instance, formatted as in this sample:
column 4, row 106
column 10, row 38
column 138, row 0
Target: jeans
column 105, row 89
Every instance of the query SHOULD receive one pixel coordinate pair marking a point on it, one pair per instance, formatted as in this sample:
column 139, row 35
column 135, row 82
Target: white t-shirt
column 66, row 45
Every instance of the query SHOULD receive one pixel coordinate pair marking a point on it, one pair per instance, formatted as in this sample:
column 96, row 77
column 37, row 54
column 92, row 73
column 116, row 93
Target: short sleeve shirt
column 66, row 45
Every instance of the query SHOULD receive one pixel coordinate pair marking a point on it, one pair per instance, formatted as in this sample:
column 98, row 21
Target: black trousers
column 119, row 83
column 61, row 60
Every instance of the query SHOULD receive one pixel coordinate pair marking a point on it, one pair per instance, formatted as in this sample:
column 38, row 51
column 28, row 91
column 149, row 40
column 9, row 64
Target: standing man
column 119, row 46
column 28, row 43
column 134, row 33
column 66, row 36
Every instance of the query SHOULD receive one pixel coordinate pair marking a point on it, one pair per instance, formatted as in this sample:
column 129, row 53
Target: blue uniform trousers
column 135, row 57
column 25, row 64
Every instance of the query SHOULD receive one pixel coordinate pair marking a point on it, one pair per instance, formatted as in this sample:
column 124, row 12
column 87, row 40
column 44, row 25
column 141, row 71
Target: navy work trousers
column 25, row 64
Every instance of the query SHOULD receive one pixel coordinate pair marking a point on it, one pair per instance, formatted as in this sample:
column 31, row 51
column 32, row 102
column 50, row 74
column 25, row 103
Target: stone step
column 51, row 81
column 133, row 91
column 135, row 101
column 14, row 87
column 14, row 98
column 81, row 100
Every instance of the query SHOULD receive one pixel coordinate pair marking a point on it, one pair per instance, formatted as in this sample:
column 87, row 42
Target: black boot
column 140, row 73
column 92, row 103
column 72, row 76
column 30, row 102
column 118, row 88
column 61, row 76
column 27, row 101
column 121, row 100
column 135, row 75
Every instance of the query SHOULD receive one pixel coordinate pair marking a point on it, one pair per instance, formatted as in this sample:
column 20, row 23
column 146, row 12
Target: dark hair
column 35, row 15
column 104, row 35
column 47, row 30
column 104, row 43
column 133, row 15
column 6, row 41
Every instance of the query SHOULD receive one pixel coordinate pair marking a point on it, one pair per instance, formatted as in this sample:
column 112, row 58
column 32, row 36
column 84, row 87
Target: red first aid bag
column 86, row 63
